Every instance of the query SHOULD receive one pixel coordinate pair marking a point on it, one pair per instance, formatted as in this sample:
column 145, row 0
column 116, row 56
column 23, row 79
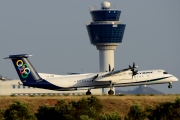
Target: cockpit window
column 165, row 72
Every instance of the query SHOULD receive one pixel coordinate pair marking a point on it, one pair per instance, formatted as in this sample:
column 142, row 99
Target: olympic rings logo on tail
column 23, row 69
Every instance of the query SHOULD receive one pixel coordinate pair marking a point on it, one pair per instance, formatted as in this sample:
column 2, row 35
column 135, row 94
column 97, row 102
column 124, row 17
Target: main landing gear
column 88, row 92
column 111, row 92
column 170, row 85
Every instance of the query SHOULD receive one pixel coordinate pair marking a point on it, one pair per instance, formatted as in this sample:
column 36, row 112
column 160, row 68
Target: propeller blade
column 133, row 65
column 135, row 72
column 113, row 69
column 109, row 67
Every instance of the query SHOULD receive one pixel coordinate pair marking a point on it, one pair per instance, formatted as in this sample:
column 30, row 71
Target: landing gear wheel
column 88, row 92
column 169, row 86
column 110, row 92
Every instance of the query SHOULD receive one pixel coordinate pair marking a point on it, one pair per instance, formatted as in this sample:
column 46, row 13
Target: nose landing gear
column 170, row 86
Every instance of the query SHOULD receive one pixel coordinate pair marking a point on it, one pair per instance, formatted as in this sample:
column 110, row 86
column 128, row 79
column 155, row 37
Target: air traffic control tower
column 106, row 33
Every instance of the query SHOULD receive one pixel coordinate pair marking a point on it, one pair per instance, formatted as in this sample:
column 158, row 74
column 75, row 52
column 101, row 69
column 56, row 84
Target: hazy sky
column 54, row 32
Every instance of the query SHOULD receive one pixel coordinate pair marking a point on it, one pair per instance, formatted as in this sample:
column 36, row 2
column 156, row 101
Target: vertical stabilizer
column 24, row 68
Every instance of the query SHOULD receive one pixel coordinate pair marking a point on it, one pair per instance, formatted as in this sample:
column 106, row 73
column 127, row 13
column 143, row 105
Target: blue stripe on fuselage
column 41, row 83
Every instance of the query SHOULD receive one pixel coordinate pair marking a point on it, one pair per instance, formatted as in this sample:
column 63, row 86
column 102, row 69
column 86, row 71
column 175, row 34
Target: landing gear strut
column 111, row 92
column 170, row 86
column 88, row 92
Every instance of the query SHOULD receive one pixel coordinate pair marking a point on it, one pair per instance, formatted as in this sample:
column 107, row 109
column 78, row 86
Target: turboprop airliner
column 118, row 78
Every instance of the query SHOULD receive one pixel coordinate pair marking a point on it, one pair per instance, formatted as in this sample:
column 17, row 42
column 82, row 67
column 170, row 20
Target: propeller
column 132, row 66
column 135, row 72
column 132, row 69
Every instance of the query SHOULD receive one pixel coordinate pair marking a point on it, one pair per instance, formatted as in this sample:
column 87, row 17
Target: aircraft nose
column 175, row 79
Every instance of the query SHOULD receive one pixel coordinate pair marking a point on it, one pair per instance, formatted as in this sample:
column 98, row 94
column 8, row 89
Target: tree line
column 90, row 108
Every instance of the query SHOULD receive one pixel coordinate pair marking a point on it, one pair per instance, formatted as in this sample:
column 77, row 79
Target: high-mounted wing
column 123, row 70
column 115, row 72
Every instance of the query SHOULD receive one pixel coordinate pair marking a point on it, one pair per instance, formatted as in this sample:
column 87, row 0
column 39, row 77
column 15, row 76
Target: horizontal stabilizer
column 18, row 56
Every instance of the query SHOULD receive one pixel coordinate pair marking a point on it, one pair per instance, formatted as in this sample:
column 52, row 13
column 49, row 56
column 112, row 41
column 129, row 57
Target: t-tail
column 24, row 68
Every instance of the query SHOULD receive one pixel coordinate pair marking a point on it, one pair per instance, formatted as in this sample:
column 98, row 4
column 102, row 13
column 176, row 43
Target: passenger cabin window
column 165, row 73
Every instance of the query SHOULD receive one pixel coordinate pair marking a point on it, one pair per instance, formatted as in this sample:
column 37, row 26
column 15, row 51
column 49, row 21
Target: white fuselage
column 82, row 81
